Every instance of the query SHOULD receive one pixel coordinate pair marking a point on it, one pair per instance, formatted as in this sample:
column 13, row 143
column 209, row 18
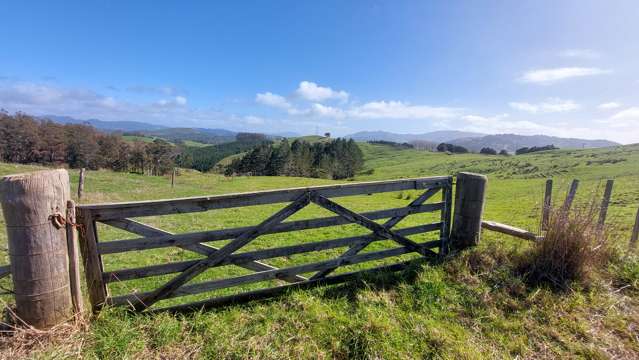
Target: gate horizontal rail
column 119, row 215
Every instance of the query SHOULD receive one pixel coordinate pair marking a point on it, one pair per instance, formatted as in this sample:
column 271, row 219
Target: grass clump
column 573, row 250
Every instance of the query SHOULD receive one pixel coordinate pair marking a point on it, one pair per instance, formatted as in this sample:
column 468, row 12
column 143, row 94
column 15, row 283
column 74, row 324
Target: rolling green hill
column 470, row 306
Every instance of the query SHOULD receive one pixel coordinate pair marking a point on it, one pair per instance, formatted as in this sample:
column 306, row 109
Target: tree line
column 336, row 159
column 27, row 140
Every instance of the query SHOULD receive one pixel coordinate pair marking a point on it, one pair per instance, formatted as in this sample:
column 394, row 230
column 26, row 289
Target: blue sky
column 566, row 68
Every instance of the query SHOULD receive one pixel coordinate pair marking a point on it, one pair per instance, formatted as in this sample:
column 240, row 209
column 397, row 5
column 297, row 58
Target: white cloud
column 552, row 105
column 609, row 106
column 176, row 101
column 313, row 92
column 273, row 100
column 328, row 111
column 580, row 53
column 499, row 124
column 253, row 120
column 548, row 76
column 401, row 110
column 628, row 118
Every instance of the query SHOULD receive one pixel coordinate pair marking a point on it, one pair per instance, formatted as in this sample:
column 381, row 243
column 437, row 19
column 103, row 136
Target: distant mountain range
column 203, row 135
column 470, row 140
column 106, row 125
column 512, row 142
column 476, row 141
column 433, row 137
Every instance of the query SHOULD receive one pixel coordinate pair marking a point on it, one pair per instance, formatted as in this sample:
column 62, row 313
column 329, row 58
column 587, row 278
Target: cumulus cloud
column 176, row 101
column 609, row 106
column 401, row 110
column 312, row 92
column 499, row 124
column 552, row 105
column 549, row 76
column 273, row 100
column 580, row 54
column 43, row 99
column 628, row 118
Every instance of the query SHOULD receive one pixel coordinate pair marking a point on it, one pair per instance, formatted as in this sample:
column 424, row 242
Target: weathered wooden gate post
column 37, row 248
column 470, row 194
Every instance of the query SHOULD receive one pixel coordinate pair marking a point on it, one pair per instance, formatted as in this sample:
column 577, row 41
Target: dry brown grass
column 20, row 341
column 573, row 251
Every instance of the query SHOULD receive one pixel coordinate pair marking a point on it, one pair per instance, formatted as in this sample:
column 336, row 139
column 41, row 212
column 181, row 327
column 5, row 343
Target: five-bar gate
column 119, row 215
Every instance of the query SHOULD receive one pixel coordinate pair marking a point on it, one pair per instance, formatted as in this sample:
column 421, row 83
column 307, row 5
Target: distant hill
column 512, row 142
column 136, row 128
column 105, row 125
column 433, row 137
column 207, row 136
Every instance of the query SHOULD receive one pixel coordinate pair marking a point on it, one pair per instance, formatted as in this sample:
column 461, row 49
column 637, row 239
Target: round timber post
column 31, row 204
column 470, row 195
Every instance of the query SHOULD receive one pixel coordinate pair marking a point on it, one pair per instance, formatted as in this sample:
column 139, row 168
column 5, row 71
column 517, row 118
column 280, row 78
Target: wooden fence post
column 570, row 196
column 81, row 184
column 545, row 215
column 470, row 195
column 173, row 178
column 74, row 259
column 33, row 206
column 635, row 233
column 605, row 202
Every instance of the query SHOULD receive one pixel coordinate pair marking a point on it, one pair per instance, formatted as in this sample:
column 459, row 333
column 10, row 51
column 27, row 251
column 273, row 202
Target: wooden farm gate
column 119, row 215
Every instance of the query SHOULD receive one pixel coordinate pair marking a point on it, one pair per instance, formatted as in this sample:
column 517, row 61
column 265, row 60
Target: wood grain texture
column 74, row 259
column 202, row 249
column 37, row 248
column 509, row 230
column 369, row 224
column 167, row 240
column 243, row 258
column 185, row 205
column 201, row 287
column 356, row 248
column 470, row 197
column 173, row 285
column 91, row 259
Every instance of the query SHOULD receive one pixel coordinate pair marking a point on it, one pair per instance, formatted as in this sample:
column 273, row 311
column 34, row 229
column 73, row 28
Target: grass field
column 471, row 306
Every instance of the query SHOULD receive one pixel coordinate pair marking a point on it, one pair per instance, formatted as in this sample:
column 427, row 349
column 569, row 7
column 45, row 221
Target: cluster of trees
column 24, row 139
column 491, row 151
column 455, row 149
column 205, row 158
column 392, row 144
column 337, row 159
column 527, row 150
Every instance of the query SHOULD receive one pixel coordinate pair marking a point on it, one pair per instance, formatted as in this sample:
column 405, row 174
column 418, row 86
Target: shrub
column 488, row 151
column 572, row 251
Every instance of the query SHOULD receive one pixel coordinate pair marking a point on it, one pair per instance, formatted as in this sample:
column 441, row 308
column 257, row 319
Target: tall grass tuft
column 573, row 250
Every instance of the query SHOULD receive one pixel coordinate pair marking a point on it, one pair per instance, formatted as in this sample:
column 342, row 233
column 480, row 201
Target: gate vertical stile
column 444, row 232
column 93, row 268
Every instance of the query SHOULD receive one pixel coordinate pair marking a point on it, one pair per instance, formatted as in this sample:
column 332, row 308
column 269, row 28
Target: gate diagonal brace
column 139, row 228
column 170, row 287
column 378, row 229
column 355, row 249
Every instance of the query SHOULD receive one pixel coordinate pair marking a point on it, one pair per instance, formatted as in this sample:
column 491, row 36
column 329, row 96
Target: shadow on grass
column 331, row 288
